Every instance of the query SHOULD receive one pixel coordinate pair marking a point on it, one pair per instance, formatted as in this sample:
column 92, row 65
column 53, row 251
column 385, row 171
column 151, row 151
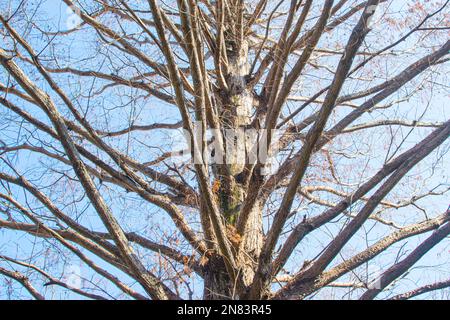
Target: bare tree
column 315, row 154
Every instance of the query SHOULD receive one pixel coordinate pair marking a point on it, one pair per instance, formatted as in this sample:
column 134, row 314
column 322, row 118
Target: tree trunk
column 235, row 115
column 217, row 283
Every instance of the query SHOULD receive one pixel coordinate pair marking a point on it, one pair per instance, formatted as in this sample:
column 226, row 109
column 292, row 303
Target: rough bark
column 235, row 116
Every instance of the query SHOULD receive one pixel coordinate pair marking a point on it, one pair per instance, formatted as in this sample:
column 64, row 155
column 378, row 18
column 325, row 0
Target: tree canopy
column 225, row 149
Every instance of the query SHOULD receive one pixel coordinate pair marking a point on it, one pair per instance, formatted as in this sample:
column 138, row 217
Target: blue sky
column 53, row 15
